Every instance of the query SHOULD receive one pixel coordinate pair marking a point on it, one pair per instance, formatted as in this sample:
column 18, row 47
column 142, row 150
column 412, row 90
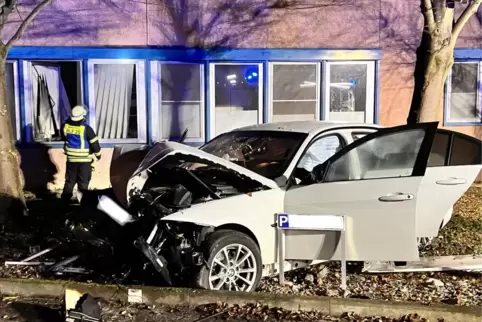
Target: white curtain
column 189, row 116
column 229, row 118
column 113, row 92
column 51, row 106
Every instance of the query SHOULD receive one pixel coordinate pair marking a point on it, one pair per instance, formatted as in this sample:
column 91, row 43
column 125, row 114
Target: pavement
column 50, row 310
column 17, row 309
column 27, row 300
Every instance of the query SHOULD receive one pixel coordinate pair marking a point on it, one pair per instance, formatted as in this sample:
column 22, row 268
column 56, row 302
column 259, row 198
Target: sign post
column 312, row 223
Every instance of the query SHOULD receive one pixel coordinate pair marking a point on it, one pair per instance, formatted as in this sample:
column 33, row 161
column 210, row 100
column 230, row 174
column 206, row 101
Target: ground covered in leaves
column 462, row 236
column 16, row 309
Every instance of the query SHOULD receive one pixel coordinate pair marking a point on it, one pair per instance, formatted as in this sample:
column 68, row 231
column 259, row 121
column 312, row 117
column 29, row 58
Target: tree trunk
column 434, row 61
column 432, row 92
column 12, row 201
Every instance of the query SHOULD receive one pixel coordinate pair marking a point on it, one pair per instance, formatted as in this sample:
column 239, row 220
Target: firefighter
column 81, row 146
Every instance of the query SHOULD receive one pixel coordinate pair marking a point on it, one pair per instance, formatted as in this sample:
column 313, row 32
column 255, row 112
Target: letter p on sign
column 283, row 221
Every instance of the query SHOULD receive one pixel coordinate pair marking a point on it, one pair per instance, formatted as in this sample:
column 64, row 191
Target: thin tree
column 11, row 181
column 435, row 55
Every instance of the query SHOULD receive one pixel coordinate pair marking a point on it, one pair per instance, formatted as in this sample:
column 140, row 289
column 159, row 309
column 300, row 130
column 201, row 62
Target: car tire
column 250, row 270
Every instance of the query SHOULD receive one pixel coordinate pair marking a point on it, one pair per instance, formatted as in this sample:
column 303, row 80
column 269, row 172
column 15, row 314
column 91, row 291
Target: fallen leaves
column 456, row 288
column 463, row 234
column 259, row 312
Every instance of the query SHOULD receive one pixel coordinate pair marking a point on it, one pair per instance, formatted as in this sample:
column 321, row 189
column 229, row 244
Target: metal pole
column 281, row 255
column 45, row 251
column 343, row 256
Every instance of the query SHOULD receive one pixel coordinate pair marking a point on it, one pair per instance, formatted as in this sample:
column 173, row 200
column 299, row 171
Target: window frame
column 140, row 95
column 156, row 100
column 448, row 96
column 270, row 91
column 16, row 89
column 212, row 92
column 28, row 93
column 371, row 83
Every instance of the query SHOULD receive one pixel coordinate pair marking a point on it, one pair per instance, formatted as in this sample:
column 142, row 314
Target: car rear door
column 453, row 166
column 378, row 197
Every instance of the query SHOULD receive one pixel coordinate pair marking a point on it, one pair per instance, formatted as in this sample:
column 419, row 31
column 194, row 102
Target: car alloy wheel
column 233, row 269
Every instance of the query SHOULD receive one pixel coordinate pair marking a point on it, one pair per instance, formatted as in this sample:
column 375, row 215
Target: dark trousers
column 78, row 173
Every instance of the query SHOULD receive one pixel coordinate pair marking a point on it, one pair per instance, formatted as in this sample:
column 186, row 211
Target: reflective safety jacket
column 81, row 142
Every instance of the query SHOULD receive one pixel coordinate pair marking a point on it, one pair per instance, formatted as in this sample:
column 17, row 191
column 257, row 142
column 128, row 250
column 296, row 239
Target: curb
column 191, row 297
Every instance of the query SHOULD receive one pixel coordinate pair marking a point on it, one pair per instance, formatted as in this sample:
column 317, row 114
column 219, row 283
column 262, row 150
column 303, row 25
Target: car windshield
column 267, row 153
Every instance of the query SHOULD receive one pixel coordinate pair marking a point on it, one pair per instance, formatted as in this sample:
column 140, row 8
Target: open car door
column 374, row 182
column 453, row 166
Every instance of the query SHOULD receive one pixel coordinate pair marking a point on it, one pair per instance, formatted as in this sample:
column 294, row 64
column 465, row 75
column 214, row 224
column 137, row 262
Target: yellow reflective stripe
column 79, row 159
column 77, row 154
column 73, row 129
column 82, row 141
column 94, row 140
column 76, row 150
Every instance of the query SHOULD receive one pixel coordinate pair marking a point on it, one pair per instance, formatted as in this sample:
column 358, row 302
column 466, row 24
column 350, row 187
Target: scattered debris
column 461, row 236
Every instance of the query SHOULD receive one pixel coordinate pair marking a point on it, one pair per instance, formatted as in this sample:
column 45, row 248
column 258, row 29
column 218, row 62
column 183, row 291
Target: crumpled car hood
column 162, row 150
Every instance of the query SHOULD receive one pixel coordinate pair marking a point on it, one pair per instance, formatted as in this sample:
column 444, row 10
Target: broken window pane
column 56, row 88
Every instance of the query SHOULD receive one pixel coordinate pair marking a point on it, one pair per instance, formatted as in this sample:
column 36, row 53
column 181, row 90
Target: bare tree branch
column 471, row 10
column 26, row 22
column 427, row 11
column 6, row 8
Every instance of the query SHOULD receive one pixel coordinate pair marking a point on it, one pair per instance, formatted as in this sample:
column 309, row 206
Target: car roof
column 303, row 126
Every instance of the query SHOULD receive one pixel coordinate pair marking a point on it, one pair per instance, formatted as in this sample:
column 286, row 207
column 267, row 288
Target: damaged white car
column 208, row 214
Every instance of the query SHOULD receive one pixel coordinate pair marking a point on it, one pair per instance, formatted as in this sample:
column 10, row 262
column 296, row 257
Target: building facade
column 148, row 69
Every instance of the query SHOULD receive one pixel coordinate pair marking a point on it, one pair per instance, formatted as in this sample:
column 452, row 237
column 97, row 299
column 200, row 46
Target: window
column 236, row 91
column 52, row 88
column 464, row 93
column 295, row 92
column 320, row 151
column 439, row 150
column 180, row 101
column 12, row 97
column 117, row 109
column 465, row 151
column 350, row 91
column 389, row 156
column 462, row 149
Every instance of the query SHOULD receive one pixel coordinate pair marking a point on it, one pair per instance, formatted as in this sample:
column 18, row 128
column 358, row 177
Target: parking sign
column 283, row 221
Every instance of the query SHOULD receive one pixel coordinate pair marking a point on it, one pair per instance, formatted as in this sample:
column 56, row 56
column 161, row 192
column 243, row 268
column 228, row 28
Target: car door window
column 438, row 154
column 452, row 149
column 388, row 156
column 465, row 151
column 320, row 151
